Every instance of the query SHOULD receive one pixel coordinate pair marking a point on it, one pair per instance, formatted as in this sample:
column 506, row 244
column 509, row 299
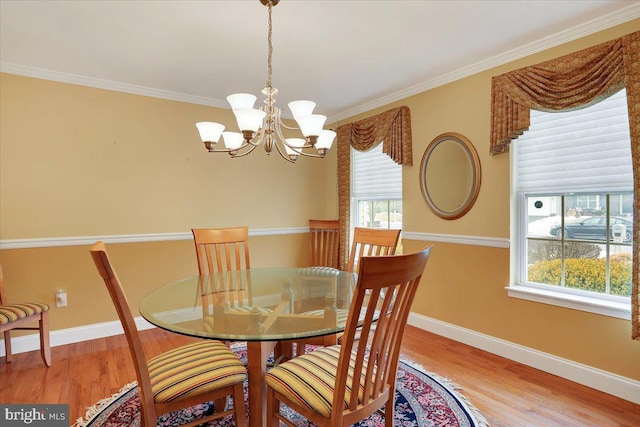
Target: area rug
column 422, row 400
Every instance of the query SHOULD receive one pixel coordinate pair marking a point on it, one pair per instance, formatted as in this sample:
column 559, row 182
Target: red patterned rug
column 422, row 400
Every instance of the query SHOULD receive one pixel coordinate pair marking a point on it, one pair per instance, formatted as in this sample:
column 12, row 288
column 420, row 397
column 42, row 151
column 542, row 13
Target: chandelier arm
column 251, row 148
column 259, row 136
column 303, row 153
column 228, row 150
column 290, row 128
column 283, row 140
column 283, row 155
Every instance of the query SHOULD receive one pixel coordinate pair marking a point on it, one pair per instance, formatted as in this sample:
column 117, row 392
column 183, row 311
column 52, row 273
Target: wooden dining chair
column 180, row 378
column 366, row 242
column 371, row 242
column 324, row 243
column 21, row 316
column 343, row 384
column 220, row 251
column 324, row 257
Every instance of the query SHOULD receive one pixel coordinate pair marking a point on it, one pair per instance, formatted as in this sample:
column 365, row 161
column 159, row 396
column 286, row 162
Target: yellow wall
column 77, row 161
column 465, row 285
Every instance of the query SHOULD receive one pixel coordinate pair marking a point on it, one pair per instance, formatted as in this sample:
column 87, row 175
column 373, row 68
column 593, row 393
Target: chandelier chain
column 270, row 49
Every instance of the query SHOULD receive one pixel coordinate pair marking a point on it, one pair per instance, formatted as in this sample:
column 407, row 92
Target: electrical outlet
column 61, row 299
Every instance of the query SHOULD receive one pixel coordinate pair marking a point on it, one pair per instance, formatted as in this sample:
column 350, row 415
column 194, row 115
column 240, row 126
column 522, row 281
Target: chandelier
column 264, row 125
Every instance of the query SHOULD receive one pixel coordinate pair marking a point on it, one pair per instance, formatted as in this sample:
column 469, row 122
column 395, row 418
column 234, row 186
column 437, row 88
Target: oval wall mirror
column 450, row 175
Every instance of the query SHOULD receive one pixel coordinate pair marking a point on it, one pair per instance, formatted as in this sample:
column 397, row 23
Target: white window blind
column 587, row 149
column 375, row 175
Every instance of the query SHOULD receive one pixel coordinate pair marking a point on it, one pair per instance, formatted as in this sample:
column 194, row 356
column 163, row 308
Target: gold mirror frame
column 473, row 188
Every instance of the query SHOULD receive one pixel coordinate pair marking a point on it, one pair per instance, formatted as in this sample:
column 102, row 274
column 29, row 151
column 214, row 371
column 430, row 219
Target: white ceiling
column 348, row 56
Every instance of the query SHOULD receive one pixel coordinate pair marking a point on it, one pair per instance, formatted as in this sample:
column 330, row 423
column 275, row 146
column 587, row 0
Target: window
column 574, row 185
column 376, row 190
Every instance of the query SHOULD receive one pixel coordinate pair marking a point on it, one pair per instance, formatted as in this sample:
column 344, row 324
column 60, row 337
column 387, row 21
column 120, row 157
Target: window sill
column 576, row 302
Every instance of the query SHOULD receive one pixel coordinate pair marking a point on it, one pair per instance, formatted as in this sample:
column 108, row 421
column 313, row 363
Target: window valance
column 572, row 81
column 393, row 128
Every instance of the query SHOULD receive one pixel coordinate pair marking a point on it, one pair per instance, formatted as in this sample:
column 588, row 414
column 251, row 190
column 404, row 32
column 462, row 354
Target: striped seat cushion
column 248, row 309
column 341, row 314
column 319, row 271
column 194, row 369
column 12, row 312
column 310, row 379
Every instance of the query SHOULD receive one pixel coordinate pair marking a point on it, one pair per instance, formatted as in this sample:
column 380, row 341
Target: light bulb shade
column 294, row 142
column 325, row 139
column 241, row 100
column 311, row 124
column 232, row 140
column 210, row 131
column 301, row 108
column 249, row 118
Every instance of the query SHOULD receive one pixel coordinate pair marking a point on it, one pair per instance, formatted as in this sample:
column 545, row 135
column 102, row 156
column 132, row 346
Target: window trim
column 567, row 300
column 606, row 305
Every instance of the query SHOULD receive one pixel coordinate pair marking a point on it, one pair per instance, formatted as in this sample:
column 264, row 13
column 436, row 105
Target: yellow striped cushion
column 310, row 379
column 248, row 309
column 341, row 314
column 194, row 369
column 12, row 312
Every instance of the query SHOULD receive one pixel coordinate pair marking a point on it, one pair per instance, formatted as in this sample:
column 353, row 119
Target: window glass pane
column 620, row 270
column 587, row 249
column 544, row 262
column 585, row 269
column 364, row 214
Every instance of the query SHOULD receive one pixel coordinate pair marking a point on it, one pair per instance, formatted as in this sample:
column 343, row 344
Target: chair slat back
column 106, row 271
column 324, row 243
column 222, row 253
column 386, row 285
column 371, row 242
column 221, row 249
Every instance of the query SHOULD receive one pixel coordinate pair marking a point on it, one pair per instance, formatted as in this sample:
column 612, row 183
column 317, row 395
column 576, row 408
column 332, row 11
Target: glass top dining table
column 269, row 308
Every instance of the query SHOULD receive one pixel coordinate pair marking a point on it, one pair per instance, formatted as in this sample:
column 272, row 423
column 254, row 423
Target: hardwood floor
column 507, row 393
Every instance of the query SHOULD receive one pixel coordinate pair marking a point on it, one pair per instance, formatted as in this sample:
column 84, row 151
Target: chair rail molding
column 44, row 242
column 492, row 242
column 128, row 238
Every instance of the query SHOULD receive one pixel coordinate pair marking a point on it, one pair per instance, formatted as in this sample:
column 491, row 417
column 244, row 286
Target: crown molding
column 606, row 21
column 76, row 79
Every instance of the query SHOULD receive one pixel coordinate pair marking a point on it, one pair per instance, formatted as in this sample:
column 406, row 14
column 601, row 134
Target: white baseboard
column 31, row 342
column 617, row 385
column 608, row 382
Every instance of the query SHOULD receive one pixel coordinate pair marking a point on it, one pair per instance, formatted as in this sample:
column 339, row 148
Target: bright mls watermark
column 54, row 415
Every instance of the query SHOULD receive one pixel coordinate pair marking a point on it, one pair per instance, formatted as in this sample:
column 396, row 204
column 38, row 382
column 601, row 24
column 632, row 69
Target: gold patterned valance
column 393, row 128
column 573, row 81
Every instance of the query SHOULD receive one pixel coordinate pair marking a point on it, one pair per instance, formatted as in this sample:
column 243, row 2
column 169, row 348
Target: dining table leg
column 257, row 354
